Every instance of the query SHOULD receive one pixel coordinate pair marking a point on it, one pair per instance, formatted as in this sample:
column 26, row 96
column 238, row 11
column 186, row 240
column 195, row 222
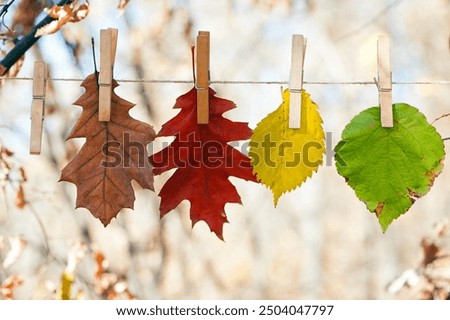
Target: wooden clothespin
column 108, row 47
column 384, row 82
column 296, row 80
column 202, row 83
column 40, row 75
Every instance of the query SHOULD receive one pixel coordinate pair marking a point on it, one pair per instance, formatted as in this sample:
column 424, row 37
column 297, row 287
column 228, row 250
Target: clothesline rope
column 235, row 82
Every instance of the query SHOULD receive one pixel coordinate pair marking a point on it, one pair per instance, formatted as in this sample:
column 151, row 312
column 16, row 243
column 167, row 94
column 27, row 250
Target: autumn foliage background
column 320, row 242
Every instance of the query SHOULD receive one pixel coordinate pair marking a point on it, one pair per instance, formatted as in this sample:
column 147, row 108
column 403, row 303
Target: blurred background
column 319, row 243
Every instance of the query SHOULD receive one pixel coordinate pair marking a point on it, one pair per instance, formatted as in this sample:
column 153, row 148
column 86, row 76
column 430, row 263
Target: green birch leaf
column 390, row 168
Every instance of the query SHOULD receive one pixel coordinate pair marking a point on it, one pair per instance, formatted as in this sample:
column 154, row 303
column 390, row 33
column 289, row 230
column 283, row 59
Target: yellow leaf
column 66, row 286
column 63, row 15
column 283, row 158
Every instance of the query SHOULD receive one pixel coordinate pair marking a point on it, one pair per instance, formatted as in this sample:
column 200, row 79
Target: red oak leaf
column 204, row 161
column 114, row 154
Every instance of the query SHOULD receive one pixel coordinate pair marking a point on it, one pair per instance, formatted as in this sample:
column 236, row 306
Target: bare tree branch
column 25, row 43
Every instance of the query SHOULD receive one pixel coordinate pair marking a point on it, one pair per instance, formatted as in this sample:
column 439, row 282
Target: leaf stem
column 93, row 58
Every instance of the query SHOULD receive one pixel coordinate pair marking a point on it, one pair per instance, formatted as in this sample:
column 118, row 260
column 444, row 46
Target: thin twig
column 49, row 254
column 42, row 227
column 439, row 118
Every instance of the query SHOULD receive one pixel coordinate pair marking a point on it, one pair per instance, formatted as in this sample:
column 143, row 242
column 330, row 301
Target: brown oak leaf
column 115, row 153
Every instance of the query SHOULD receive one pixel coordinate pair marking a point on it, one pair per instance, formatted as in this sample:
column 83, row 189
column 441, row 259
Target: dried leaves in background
column 10, row 256
column 109, row 285
column 431, row 279
column 122, row 4
column 8, row 286
column 12, row 177
column 115, row 153
column 17, row 245
column 14, row 70
column 63, row 15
